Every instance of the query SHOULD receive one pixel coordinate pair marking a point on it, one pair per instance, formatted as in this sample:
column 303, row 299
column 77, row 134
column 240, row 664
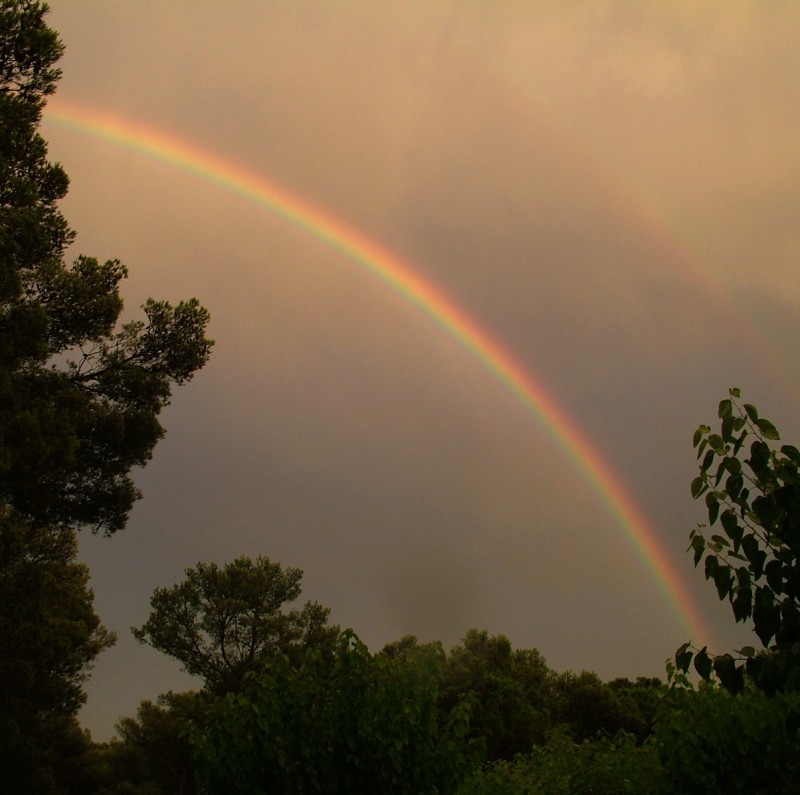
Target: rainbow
column 417, row 290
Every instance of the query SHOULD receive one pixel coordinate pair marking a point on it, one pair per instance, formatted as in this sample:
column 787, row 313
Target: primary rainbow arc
column 403, row 279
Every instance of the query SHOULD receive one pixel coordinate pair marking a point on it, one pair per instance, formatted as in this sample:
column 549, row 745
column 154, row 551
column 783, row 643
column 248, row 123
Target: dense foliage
column 368, row 724
column 49, row 636
column 344, row 725
column 152, row 753
column 752, row 490
column 561, row 766
column 710, row 741
column 223, row 623
column 511, row 690
column 79, row 395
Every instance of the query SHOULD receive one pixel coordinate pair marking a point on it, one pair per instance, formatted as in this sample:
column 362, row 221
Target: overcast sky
column 611, row 189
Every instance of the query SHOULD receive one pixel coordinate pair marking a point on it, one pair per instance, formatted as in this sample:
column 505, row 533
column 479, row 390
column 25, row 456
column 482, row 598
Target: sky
column 607, row 192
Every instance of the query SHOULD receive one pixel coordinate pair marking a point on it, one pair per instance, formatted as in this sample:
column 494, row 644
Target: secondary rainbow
column 419, row 291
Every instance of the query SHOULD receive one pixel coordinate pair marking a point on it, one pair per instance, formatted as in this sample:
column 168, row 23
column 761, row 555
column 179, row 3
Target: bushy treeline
column 410, row 718
column 483, row 719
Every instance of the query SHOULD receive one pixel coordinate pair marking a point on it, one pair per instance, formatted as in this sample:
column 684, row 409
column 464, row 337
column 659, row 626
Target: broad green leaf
column 786, row 472
column 768, row 430
column 731, row 526
column 733, row 485
column 760, row 460
column 702, row 664
column 707, row 461
column 774, row 572
column 712, row 503
column 734, row 465
column 716, row 444
column 711, row 566
column 723, row 580
column 752, row 412
column 699, row 547
column 746, row 651
column 755, row 555
column 735, row 392
column 790, row 451
column 683, row 657
column 755, row 667
column 766, row 615
column 742, row 605
column 699, row 486
column 730, row 676
column 723, row 465
column 725, row 409
column 727, row 429
column 743, row 578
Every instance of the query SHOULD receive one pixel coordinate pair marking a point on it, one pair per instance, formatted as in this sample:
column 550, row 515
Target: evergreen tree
column 80, row 395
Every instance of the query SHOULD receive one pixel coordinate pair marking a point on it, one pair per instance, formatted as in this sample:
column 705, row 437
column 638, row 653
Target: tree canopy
column 49, row 637
column 80, row 393
column 223, row 622
column 365, row 724
column 511, row 688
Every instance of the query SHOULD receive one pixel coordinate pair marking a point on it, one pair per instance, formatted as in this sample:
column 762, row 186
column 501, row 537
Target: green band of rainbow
column 420, row 292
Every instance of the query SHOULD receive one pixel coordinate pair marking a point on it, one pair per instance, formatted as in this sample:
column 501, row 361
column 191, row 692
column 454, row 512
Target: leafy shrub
column 753, row 496
column 602, row 766
column 710, row 741
column 369, row 724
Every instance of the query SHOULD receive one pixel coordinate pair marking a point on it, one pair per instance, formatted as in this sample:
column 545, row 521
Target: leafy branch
column 754, row 565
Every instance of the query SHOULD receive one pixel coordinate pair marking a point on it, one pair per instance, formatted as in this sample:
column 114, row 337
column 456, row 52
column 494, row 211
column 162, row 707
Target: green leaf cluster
column 751, row 490
column 710, row 741
column 369, row 723
column 604, row 765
